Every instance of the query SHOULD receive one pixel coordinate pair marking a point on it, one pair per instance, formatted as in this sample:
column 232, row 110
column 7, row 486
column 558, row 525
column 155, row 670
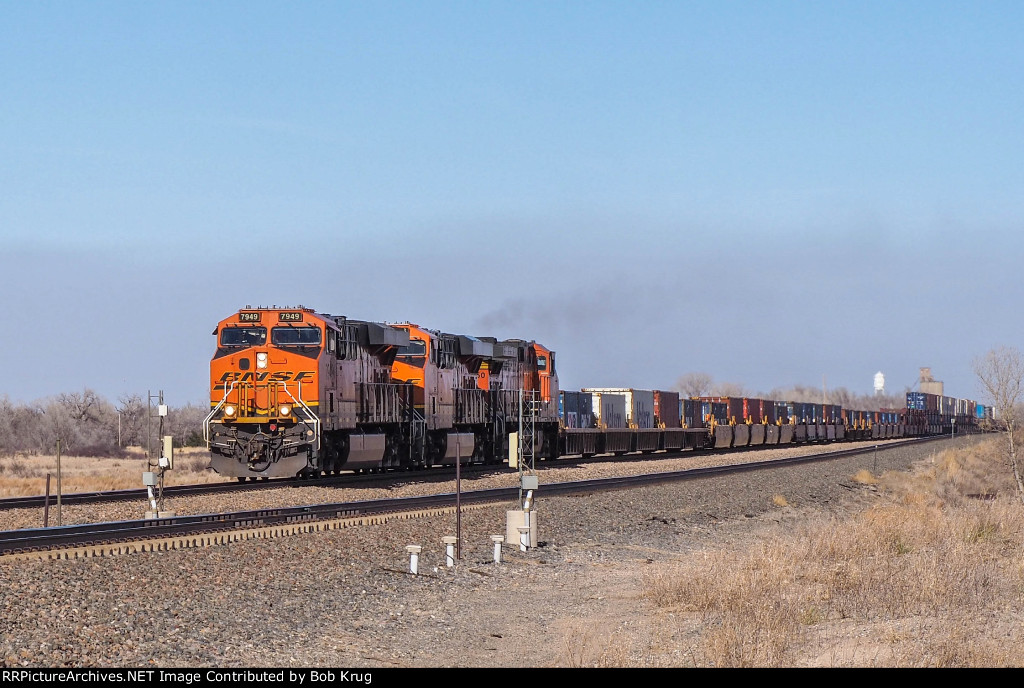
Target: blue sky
column 768, row 192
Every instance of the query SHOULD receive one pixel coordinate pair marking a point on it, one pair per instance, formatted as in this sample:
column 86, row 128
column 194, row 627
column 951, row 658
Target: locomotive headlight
column 261, row 360
column 286, row 410
column 229, row 410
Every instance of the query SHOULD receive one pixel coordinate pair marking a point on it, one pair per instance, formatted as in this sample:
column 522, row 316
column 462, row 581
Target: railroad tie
column 180, row 542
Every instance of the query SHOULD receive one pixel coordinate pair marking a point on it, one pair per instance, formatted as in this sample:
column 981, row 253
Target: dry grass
column 594, row 644
column 865, row 477
column 931, row 577
column 26, row 475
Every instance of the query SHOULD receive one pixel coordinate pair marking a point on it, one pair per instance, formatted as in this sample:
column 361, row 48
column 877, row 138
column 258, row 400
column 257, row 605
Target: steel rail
column 435, row 473
column 44, row 539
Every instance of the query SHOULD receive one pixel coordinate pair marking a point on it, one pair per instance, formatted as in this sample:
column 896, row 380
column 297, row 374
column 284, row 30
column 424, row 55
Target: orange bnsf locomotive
column 295, row 392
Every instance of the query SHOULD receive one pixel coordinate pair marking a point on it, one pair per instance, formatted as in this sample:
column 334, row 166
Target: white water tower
column 879, row 383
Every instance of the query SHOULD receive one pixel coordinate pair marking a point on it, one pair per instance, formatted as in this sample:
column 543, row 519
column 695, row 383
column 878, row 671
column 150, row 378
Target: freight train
column 297, row 392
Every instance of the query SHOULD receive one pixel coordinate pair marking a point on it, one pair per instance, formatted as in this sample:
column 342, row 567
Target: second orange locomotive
column 299, row 392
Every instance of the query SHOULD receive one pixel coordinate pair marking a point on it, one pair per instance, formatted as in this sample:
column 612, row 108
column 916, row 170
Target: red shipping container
column 752, row 410
column 666, row 409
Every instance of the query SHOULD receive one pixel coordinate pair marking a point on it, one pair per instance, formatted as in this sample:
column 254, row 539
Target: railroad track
column 111, row 538
column 141, row 495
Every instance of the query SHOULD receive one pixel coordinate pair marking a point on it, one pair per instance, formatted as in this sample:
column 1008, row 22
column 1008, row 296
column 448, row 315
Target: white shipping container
column 610, row 410
column 639, row 404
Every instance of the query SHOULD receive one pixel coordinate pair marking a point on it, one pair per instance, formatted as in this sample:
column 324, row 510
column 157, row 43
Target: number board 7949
column 289, row 316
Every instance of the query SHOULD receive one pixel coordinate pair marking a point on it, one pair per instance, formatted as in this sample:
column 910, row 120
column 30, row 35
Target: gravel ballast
column 412, row 486
column 344, row 598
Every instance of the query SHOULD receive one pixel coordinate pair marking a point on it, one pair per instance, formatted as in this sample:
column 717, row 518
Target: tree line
column 703, row 385
column 87, row 424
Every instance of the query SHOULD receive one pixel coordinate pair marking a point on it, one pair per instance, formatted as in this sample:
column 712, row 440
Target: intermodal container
column 689, row 411
column 567, row 410
column 639, row 404
column 733, row 406
column 609, row 409
column 751, row 410
column 575, row 409
column 666, row 409
column 717, row 411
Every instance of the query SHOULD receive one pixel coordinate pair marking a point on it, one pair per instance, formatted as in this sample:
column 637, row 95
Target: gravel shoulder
column 344, row 598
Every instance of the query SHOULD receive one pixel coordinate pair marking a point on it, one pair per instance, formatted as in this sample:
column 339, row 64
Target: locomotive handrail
column 300, row 402
column 206, row 421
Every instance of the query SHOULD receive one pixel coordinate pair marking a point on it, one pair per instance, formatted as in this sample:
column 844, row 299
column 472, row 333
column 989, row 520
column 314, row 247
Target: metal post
column 160, row 501
column 458, row 499
column 60, row 522
column 46, row 504
column 519, row 442
column 149, row 428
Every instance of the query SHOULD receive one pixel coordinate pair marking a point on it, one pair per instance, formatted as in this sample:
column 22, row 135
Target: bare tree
column 694, row 384
column 728, row 389
column 7, row 438
column 132, row 412
column 186, row 424
column 1001, row 373
column 86, row 406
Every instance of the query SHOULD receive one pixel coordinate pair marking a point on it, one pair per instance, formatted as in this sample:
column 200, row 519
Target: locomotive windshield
column 243, row 336
column 413, row 353
column 295, row 336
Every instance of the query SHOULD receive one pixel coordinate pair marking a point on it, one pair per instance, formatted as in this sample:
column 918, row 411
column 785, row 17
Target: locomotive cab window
column 295, row 336
column 542, row 363
column 243, row 336
column 413, row 353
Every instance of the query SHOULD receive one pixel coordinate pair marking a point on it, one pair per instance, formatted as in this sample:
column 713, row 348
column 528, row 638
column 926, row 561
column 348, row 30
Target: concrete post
column 449, row 549
column 414, row 558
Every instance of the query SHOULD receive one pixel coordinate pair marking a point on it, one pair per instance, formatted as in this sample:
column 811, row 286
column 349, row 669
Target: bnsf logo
column 280, row 376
